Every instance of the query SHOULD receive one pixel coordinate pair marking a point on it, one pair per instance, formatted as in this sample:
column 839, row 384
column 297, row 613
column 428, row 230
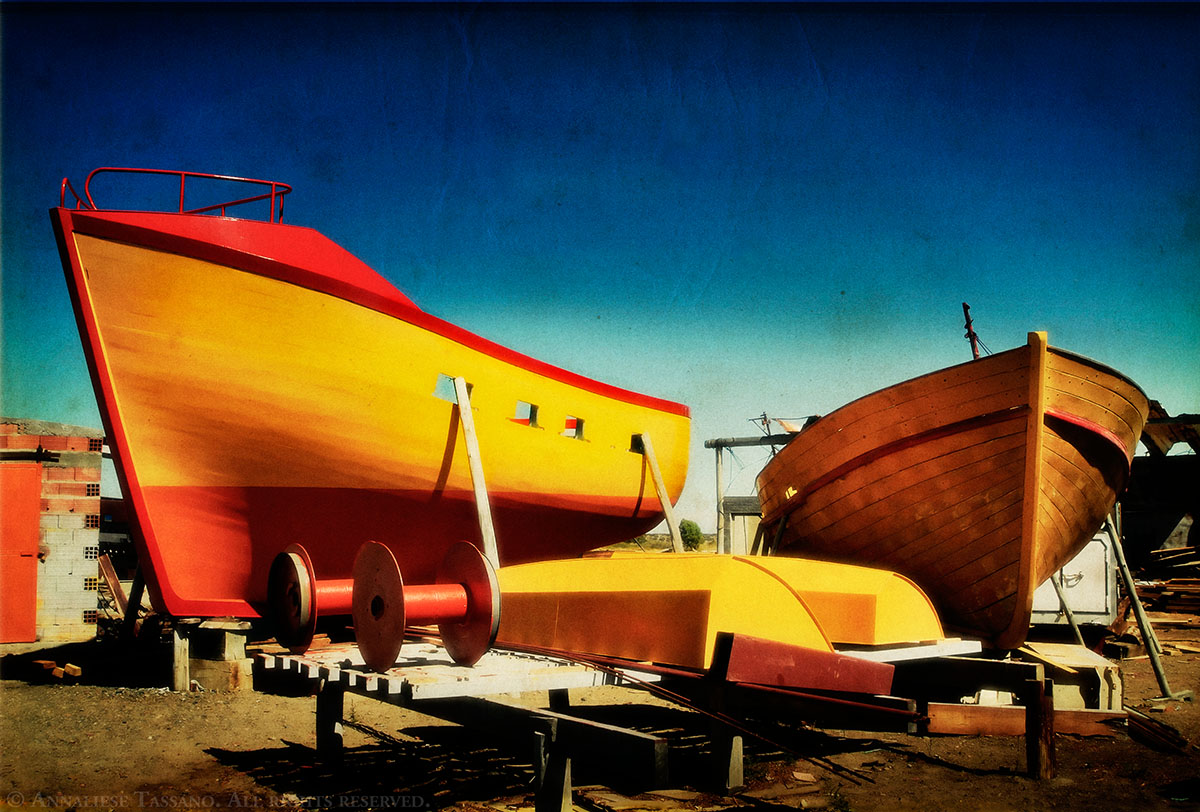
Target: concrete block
column 222, row 675
column 58, row 538
column 73, row 521
column 54, row 567
column 67, row 632
column 218, row 644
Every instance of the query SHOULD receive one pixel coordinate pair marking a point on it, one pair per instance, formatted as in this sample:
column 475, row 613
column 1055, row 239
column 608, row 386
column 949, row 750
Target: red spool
column 296, row 598
column 465, row 603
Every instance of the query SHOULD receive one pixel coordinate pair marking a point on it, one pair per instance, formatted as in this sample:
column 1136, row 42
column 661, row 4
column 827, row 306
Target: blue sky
column 743, row 208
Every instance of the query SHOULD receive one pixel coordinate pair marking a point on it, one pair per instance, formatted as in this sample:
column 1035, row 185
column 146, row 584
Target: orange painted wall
column 20, row 500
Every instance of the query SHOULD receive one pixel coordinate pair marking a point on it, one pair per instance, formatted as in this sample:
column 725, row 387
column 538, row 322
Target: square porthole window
column 90, row 615
column 444, row 389
column 573, row 427
column 526, row 414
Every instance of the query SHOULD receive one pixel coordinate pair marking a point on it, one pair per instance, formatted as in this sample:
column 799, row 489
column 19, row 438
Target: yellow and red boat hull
column 261, row 387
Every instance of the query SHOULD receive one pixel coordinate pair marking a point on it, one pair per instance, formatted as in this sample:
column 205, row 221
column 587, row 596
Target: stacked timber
column 1174, row 562
column 1172, row 580
column 1180, row 595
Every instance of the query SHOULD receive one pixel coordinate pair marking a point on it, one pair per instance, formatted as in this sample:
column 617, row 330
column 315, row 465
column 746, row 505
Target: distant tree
column 692, row 537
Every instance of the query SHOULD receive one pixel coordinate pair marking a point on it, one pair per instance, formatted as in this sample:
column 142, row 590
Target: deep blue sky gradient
column 744, row 208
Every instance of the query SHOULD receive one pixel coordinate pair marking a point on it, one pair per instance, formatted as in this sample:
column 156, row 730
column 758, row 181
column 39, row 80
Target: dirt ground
column 81, row 746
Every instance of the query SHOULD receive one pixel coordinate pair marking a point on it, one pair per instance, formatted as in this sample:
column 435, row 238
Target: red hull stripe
column 1091, row 426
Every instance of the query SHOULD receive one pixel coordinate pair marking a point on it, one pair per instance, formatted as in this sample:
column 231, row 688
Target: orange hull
column 262, row 387
column 977, row 481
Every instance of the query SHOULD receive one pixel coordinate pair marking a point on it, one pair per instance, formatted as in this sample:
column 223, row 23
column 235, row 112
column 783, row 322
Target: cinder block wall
column 69, row 543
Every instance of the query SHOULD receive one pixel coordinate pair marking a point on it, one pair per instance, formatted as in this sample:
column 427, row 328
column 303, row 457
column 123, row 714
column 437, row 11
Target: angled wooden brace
column 664, row 498
column 483, row 505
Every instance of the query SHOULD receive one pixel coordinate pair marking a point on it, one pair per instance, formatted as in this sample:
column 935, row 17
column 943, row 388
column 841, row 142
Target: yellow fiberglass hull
column 253, row 403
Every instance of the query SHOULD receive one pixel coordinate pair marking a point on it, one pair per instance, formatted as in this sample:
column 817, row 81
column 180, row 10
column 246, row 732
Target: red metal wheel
column 468, row 637
column 291, row 599
column 378, row 606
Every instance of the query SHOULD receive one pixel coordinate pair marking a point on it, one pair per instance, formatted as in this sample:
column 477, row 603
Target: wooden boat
column 977, row 481
column 260, row 386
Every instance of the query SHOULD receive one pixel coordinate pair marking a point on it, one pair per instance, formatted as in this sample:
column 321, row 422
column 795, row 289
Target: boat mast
column 971, row 336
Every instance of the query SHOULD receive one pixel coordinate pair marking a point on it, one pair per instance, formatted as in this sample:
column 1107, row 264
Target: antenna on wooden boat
column 971, row 336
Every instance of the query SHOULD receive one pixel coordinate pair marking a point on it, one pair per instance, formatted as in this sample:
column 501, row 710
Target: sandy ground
column 110, row 747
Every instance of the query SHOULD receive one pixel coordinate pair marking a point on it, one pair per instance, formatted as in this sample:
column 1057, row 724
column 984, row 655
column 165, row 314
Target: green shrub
column 692, row 537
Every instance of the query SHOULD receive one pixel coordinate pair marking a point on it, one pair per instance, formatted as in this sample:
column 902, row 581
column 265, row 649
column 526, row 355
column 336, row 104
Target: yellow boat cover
column 668, row 608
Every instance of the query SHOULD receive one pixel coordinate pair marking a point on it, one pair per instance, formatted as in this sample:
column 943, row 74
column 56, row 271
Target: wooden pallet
column 425, row 671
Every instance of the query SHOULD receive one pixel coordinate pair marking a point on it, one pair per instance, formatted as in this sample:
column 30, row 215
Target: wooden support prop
column 109, row 574
column 331, row 698
column 1153, row 648
column 552, row 772
column 664, row 499
column 947, row 718
column 559, row 700
column 759, row 535
column 181, row 668
column 1038, row 698
column 1062, row 601
column 136, row 590
column 465, row 603
column 727, row 745
column 487, row 530
column 728, row 760
column 778, row 536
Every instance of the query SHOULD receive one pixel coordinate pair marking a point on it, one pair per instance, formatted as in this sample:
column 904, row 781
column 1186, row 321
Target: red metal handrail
column 275, row 190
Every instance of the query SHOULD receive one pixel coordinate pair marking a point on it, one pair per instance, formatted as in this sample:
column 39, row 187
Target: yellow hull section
column 249, row 413
column 197, row 348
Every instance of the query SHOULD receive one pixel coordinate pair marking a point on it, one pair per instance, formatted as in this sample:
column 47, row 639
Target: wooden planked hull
column 976, row 481
column 261, row 387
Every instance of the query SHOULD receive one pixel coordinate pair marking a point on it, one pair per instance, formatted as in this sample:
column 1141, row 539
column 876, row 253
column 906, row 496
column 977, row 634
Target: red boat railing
column 273, row 191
